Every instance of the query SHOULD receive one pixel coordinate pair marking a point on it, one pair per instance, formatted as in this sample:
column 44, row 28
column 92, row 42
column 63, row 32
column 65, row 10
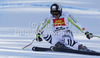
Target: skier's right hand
column 88, row 35
column 38, row 38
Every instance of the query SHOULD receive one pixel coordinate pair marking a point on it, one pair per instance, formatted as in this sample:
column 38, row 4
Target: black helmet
column 55, row 8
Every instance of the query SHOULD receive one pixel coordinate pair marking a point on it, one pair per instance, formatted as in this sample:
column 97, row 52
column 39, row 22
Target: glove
column 88, row 35
column 38, row 38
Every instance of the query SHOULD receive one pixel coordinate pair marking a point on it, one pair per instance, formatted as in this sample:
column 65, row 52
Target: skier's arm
column 72, row 20
column 43, row 24
column 40, row 28
column 76, row 24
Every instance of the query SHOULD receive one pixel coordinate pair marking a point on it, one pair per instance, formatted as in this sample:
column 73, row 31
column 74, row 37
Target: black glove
column 38, row 37
column 88, row 35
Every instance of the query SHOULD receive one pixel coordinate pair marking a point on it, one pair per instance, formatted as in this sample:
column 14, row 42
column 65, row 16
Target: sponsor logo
column 72, row 18
column 59, row 28
column 44, row 22
column 59, row 22
column 53, row 8
column 63, row 40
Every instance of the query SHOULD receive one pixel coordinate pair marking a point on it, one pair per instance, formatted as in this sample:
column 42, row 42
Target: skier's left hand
column 38, row 36
column 88, row 35
column 39, row 39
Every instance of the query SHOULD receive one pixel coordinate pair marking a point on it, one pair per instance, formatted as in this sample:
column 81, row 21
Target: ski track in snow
column 10, row 48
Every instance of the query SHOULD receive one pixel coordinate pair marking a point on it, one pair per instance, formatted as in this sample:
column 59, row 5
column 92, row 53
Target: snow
column 20, row 18
column 11, row 47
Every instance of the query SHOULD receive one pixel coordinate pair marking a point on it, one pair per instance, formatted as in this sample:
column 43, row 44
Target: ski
column 66, row 50
column 40, row 49
column 75, row 51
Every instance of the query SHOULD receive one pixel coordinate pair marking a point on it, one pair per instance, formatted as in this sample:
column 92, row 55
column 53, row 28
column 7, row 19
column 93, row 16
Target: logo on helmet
column 53, row 8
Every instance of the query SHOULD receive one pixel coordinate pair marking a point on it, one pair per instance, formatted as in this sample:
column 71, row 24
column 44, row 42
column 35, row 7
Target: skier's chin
column 56, row 16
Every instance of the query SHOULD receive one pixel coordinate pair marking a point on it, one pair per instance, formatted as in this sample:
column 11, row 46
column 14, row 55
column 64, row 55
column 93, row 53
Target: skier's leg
column 50, row 38
column 67, row 40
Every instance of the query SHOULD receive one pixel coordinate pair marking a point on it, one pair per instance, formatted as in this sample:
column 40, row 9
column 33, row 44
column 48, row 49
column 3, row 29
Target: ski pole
column 96, row 36
column 31, row 42
column 28, row 44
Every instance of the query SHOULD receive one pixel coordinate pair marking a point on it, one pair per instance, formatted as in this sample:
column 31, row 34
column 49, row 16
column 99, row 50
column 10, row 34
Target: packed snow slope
column 20, row 18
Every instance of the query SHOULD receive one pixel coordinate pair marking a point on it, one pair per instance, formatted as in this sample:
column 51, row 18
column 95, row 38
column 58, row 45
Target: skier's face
column 56, row 15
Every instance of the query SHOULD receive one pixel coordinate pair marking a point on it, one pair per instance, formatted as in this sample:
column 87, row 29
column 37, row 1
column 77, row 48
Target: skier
column 62, row 35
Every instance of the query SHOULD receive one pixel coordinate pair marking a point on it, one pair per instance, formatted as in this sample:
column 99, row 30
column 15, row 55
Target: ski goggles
column 55, row 13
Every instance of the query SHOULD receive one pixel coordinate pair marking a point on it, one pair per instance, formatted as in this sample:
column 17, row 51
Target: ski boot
column 84, row 48
column 60, row 45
